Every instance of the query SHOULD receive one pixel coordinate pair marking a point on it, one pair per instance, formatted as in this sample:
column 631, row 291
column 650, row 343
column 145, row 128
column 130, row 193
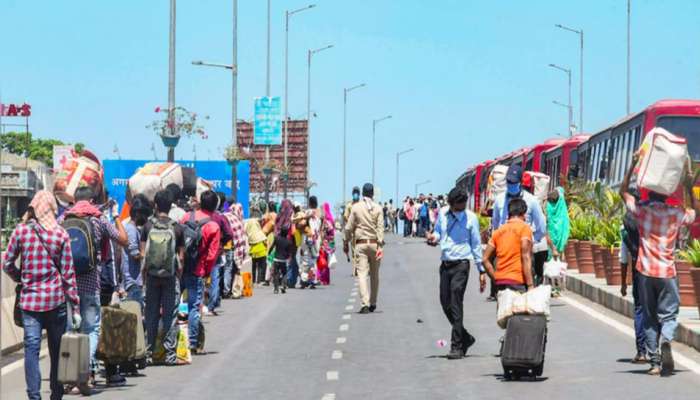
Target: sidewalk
column 596, row 290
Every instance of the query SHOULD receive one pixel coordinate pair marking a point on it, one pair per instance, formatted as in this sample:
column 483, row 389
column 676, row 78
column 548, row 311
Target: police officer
column 366, row 226
column 346, row 216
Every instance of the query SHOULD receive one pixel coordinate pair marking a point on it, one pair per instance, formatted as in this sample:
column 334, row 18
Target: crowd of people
column 526, row 232
column 178, row 257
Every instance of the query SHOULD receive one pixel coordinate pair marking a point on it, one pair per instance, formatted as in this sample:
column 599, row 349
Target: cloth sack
column 663, row 158
column 82, row 169
column 535, row 301
column 554, row 269
column 497, row 181
column 153, row 177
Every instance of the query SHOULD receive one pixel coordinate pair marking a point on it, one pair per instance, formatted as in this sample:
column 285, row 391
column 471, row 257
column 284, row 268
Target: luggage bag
column 524, row 346
column 74, row 360
column 139, row 356
column 117, row 342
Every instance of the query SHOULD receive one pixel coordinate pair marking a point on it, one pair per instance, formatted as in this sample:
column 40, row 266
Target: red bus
column 561, row 161
column 534, row 156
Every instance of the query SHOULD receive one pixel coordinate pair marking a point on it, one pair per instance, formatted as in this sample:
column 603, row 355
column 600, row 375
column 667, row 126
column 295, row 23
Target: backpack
column 193, row 238
column 82, row 243
column 402, row 214
column 160, row 254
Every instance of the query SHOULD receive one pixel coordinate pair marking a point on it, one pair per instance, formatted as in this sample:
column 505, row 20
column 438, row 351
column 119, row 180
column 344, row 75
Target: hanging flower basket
column 233, row 155
column 170, row 141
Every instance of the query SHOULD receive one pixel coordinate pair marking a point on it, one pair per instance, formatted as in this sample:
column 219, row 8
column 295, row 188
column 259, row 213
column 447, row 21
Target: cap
column 514, row 174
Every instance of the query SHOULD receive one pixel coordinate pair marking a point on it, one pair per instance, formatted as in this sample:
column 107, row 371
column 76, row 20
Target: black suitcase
column 524, row 346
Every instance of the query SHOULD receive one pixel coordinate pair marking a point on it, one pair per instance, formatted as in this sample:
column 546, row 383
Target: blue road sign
column 118, row 172
column 267, row 125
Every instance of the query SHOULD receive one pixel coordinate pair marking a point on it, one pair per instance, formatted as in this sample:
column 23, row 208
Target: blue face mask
column 355, row 197
column 513, row 189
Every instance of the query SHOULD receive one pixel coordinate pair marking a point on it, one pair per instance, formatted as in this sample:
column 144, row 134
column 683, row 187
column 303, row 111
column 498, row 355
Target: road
column 313, row 345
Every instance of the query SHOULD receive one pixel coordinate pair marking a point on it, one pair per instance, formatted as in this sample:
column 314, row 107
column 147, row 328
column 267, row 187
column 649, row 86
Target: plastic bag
column 554, row 269
column 535, row 301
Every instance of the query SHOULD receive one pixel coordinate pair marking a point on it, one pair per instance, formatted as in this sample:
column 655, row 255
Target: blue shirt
column 459, row 237
column 534, row 217
column 131, row 266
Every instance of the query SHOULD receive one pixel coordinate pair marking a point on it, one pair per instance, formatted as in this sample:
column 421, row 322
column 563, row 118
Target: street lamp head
column 197, row 63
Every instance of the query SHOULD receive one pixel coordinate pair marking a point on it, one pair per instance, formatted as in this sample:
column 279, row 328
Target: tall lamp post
column 398, row 155
column 570, row 129
column 568, row 74
column 308, row 114
column 234, row 109
column 287, row 14
column 629, row 44
column 346, row 91
column 171, row 82
column 419, row 184
column 374, row 138
column 579, row 32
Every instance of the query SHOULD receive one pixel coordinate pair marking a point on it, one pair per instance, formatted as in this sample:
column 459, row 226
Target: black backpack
column 631, row 236
column 192, row 231
column 82, row 243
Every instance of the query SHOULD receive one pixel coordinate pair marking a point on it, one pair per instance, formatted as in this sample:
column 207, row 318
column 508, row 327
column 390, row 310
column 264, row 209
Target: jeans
column 424, row 225
column 161, row 293
column 214, row 292
column 407, row 227
column 292, row 271
column 279, row 274
column 54, row 322
column 538, row 266
column 259, row 266
column 453, row 284
column 135, row 293
column 660, row 303
column 195, row 294
column 640, row 337
column 90, row 314
column 230, row 270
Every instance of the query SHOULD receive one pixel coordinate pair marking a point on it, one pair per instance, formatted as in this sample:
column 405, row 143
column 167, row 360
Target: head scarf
column 284, row 217
column 327, row 212
column 558, row 221
column 45, row 209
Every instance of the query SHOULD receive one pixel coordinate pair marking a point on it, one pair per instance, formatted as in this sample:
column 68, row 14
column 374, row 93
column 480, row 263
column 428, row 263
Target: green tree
column 38, row 149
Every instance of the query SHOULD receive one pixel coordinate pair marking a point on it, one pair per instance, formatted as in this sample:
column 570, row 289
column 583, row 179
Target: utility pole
column 234, row 101
column 345, row 134
column 171, row 80
column 629, row 44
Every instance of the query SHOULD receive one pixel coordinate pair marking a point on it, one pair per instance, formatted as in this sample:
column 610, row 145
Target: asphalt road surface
column 313, row 345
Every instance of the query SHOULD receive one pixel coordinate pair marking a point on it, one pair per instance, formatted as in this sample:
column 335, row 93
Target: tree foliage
column 39, row 149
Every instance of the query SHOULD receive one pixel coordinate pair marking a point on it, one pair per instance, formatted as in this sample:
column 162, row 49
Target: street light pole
column 234, row 100
column 568, row 108
column 267, row 78
column 308, row 113
column 171, row 79
column 345, row 133
column 629, row 44
column 374, row 139
column 420, row 184
column 579, row 32
column 568, row 74
column 287, row 14
column 399, row 154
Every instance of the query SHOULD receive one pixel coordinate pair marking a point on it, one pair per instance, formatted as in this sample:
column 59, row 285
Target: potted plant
column 182, row 122
column 689, row 267
column 232, row 155
column 582, row 230
column 609, row 239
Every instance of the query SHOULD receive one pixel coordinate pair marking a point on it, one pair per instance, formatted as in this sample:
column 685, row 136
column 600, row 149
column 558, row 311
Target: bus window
column 528, row 167
column 687, row 127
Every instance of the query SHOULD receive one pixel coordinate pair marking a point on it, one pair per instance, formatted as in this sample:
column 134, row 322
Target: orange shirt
column 507, row 240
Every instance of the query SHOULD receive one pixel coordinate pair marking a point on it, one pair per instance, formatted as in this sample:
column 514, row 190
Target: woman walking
column 327, row 244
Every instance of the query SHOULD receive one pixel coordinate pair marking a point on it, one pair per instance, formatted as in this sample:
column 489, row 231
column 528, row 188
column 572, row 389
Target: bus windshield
column 687, row 127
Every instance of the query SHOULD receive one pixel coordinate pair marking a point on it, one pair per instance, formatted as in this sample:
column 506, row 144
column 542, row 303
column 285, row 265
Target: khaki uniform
column 366, row 226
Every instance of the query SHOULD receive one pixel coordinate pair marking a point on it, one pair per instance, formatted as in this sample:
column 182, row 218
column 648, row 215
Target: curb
column 588, row 286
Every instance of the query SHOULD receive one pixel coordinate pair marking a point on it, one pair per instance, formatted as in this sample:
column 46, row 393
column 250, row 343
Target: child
column 284, row 250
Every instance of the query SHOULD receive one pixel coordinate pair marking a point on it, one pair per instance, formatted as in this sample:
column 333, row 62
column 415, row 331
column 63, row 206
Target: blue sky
column 464, row 80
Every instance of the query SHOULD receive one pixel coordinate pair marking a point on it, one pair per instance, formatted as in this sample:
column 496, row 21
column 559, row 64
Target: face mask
column 355, row 197
column 513, row 189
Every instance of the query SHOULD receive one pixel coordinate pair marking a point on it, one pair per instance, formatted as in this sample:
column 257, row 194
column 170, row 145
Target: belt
column 452, row 263
column 366, row 241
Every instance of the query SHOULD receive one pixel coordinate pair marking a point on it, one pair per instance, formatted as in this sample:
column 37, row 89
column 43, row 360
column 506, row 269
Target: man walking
column 366, row 226
column 346, row 216
column 457, row 233
column 658, row 224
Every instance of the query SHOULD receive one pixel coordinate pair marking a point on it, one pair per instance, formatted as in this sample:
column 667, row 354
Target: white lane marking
column 332, row 375
column 341, row 340
column 348, row 308
column 351, row 300
column 20, row 363
column 328, row 396
column 628, row 331
column 353, row 294
column 356, row 284
column 344, row 327
column 337, row 355
column 347, row 316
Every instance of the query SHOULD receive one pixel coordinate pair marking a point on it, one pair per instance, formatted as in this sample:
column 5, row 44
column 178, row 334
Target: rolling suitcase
column 524, row 346
column 74, row 361
column 139, row 356
column 117, row 342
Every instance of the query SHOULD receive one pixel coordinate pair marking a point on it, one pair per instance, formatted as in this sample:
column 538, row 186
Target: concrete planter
column 598, row 265
column 570, row 254
column 695, row 276
column 685, row 284
column 584, row 257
